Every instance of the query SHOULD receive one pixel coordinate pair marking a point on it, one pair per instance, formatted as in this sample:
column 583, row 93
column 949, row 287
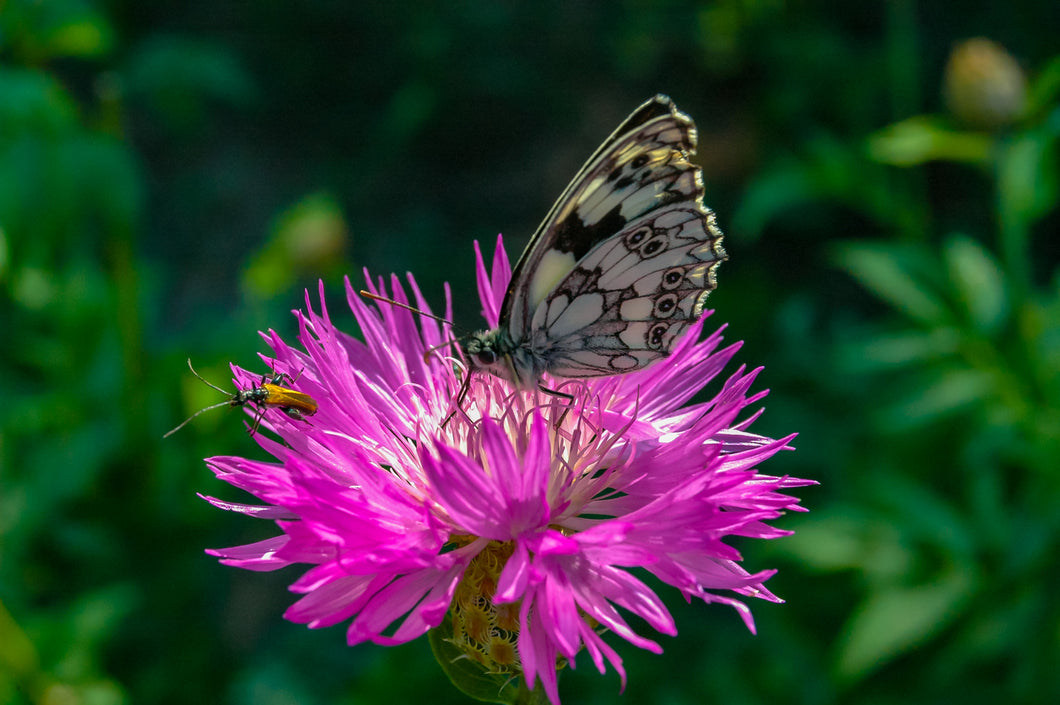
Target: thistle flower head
column 516, row 518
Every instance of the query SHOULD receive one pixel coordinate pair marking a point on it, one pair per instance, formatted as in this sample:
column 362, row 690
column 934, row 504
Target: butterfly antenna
column 370, row 295
column 430, row 351
column 187, row 420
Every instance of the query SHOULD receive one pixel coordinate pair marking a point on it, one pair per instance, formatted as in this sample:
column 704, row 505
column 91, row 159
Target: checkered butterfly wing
column 628, row 301
column 621, row 264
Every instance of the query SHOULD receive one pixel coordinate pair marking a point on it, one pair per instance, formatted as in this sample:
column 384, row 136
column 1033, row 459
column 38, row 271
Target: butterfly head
column 486, row 351
column 494, row 352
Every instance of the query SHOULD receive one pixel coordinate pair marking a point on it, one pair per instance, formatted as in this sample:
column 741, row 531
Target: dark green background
column 173, row 175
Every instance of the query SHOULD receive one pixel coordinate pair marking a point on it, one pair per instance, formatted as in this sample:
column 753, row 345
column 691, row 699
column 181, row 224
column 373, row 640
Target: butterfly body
column 620, row 267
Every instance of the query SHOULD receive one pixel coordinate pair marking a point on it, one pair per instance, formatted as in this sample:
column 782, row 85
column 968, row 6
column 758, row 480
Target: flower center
column 485, row 631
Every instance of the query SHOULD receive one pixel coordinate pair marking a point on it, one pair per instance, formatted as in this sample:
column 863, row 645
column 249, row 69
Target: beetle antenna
column 208, row 383
column 212, row 406
column 205, row 381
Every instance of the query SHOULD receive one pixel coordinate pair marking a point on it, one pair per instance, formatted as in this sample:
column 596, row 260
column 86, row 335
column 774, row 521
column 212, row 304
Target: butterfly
column 620, row 267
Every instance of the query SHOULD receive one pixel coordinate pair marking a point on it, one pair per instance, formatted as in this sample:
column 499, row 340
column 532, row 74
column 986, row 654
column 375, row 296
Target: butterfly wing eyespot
column 621, row 265
column 672, row 278
column 655, row 336
column 665, row 306
column 636, row 239
column 655, row 245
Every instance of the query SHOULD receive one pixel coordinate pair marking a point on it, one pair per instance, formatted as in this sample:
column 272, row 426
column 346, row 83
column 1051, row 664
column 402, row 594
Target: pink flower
column 520, row 515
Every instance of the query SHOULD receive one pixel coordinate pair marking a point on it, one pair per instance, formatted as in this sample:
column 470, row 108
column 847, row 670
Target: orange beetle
column 271, row 394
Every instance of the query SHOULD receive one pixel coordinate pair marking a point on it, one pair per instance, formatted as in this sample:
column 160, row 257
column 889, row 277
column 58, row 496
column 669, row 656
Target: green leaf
column 845, row 538
column 1028, row 182
column 923, row 138
column 18, row 655
column 39, row 32
column 825, row 171
column 5, row 253
column 895, row 619
column 929, row 519
column 469, row 676
column 889, row 273
column 951, row 391
column 84, row 35
column 1045, row 88
column 110, row 180
column 34, row 103
column 779, row 190
column 892, row 350
column 1039, row 324
column 979, row 282
column 179, row 77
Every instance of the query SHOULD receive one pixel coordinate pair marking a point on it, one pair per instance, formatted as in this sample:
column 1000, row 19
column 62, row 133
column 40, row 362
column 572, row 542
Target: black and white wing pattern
column 621, row 265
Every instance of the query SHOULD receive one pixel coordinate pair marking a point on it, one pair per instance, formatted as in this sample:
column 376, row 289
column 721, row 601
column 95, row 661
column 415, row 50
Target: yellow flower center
column 485, row 631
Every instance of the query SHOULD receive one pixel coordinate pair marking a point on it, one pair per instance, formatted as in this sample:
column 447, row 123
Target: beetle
column 271, row 394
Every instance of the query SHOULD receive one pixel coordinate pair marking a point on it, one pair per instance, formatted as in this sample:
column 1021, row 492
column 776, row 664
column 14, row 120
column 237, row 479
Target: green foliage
column 39, row 32
column 307, row 239
column 962, row 366
column 170, row 184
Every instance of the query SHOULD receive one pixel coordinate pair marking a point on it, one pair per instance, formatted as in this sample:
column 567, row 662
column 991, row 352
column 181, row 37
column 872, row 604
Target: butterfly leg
column 555, row 393
column 465, row 387
column 562, row 395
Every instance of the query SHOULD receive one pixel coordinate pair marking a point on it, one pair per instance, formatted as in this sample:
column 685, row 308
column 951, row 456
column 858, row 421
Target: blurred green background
column 173, row 175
